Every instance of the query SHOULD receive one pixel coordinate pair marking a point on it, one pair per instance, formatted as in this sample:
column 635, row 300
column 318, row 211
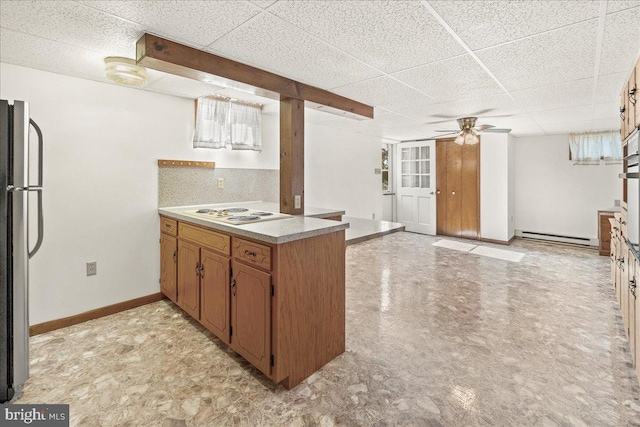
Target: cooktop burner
column 235, row 210
column 262, row 213
column 243, row 218
column 206, row 211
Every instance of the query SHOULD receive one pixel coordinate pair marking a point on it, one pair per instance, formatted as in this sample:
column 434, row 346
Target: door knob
column 453, row 192
column 438, row 192
column 432, row 193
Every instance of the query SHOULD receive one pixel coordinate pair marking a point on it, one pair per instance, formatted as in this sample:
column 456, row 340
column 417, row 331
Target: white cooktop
column 235, row 215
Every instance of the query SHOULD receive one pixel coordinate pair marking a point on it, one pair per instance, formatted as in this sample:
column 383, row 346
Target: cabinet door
column 251, row 315
column 637, row 86
column 189, row 278
column 623, row 113
column 168, row 264
column 454, row 188
column 624, row 290
column 631, row 332
column 214, row 294
column 631, row 117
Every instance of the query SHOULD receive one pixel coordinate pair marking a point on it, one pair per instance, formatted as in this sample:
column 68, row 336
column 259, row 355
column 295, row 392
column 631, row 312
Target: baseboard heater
column 584, row 241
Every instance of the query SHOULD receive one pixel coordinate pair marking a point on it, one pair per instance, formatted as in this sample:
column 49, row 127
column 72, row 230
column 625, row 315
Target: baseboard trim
column 499, row 242
column 52, row 325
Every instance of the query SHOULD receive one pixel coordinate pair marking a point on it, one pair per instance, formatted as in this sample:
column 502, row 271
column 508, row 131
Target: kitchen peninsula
column 274, row 290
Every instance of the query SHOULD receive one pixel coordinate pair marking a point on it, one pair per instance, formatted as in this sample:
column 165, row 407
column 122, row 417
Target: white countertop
column 277, row 231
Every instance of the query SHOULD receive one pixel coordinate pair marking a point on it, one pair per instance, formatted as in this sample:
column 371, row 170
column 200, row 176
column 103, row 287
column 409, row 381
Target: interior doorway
column 458, row 189
column 416, row 207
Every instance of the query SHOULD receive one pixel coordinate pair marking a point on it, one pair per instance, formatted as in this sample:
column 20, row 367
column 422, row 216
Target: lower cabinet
column 251, row 315
column 281, row 307
column 214, row 293
column 189, row 278
column 168, row 266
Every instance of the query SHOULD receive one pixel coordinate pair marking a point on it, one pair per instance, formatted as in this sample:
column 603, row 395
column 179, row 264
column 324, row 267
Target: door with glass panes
column 416, row 202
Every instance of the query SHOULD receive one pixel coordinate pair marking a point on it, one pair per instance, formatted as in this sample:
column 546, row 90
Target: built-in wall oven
column 632, row 178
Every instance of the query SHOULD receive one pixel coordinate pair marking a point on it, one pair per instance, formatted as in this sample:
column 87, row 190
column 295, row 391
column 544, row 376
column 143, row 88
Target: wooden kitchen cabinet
column 631, row 102
column 280, row 306
column 604, row 232
column 214, row 293
column 189, row 278
column 623, row 113
column 168, row 266
column 251, row 315
column 637, row 87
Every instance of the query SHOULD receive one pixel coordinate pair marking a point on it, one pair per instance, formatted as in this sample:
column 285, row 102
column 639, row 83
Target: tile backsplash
column 193, row 186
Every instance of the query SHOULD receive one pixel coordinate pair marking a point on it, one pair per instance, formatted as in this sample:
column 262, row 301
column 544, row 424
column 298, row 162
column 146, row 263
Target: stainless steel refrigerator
column 15, row 189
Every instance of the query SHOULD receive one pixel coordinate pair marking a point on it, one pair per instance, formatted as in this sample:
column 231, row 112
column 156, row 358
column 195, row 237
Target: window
column 591, row 147
column 416, row 168
column 226, row 123
column 386, row 161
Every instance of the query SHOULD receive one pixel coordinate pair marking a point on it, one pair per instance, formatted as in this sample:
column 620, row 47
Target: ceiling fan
column 468, row 133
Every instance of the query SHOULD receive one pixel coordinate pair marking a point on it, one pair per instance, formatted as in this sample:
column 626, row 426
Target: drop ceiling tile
column 432, row 113
column 263, row 3
column 481, row 24
column 497, row 105
column 610, row 86
column 247, row 96
column 607, row 110
column 383, row 120
column 451, row 79
column 621, row 42
column 181, row 86
column 384, row 92
column 390, row 36
column 562, row 95
column 612, row 123
column 198, row 23
column 272, row 44
column 561, row 115
column 567, row 127
column 47, row 55
column 618, row 5
column 553, row 57
column 74, row 24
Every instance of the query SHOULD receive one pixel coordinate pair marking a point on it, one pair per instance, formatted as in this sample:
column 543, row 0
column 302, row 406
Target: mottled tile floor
column 434, row 337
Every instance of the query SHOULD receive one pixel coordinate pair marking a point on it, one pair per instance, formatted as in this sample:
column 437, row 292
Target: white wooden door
column 416, row 204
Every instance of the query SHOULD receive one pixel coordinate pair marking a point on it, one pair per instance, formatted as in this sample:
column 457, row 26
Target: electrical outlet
column 616, row 203
column 92, row 268
column 220, row 182
column 297, row 202
column 374, row 215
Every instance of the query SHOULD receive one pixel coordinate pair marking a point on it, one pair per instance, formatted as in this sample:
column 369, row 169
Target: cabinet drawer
column 169, row 225
column 207, row 238
column 253, row 253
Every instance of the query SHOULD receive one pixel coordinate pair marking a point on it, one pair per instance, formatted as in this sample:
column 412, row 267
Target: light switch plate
column 297, row 201
column 377, row 171
column 92, row 268
column 220, row 182
column 616, row 203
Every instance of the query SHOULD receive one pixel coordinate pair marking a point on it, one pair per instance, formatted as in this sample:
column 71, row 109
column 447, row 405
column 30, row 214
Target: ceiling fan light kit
column 468, row 133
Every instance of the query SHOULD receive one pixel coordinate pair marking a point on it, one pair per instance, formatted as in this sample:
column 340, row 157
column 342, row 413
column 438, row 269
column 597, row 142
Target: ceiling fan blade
column 443, row 116
column 481, row 128
column 439, row 121
column 498, row 115
column 481, row 112
column 448, row 130
column 443, row 135
column 497, row 130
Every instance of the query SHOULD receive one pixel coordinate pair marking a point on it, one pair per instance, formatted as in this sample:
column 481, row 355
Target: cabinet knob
column 246, row 252
column 233, row 287
column 175, row 256
column 632, row 96
column 197, row 269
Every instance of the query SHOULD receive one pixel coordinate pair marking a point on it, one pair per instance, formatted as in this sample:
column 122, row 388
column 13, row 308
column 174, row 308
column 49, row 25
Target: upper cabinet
column 629, row 114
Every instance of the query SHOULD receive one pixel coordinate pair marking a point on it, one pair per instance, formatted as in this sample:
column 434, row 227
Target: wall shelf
column 186, row 164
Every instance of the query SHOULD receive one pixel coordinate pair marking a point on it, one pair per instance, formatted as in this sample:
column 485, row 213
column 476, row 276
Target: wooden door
column 251, row 315
column 189, row 278
column 458, row 189
column 454, row 189
column 214, row 294
column 168, row 264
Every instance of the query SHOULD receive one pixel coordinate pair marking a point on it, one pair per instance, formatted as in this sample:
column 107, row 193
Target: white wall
column 339, row 171
column 494, row 187
column 102, row 143
column 554, row 196
column 511, row 146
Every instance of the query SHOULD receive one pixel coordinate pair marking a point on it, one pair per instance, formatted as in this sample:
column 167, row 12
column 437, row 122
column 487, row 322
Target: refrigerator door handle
column 40, row 223
column 40, row 150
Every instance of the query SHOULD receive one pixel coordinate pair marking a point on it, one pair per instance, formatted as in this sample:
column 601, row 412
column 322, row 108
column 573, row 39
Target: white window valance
column 591, row 147
column 222, row 123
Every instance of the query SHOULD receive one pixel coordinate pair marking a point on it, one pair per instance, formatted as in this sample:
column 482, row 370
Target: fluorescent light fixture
column 125, row 71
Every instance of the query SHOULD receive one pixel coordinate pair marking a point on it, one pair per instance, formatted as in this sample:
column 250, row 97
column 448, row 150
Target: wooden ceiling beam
column 170, row 57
